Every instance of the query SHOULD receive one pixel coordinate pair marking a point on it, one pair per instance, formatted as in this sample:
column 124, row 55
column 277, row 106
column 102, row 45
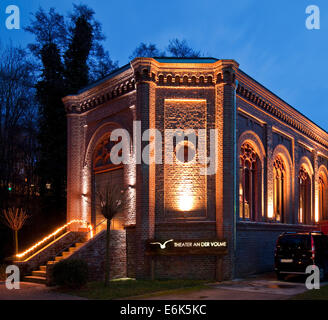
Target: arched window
column 323, row 212
column 248, row 183
column 279, row 180
column 101, row 158
column 185, row 152
column 304, row 214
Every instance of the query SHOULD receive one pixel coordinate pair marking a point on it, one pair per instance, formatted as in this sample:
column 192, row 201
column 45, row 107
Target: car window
column 292, row 242
column 318, row 242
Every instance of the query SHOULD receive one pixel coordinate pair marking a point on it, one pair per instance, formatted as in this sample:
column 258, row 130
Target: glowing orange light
column 20, row 255
column 91, row 230
column 270, row 208
column 316, row 213
column 301, row 215
column 186, row 202
column 185, row 198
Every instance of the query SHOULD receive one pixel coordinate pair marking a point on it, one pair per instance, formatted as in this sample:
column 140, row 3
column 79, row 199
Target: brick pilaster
column 269, row 169
column 74, row 167
column 296, row 184
column 145, row 174
column 315, row 196
column 225, row 180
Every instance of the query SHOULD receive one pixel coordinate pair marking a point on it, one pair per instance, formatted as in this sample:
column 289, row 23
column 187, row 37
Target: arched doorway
column 105, row 176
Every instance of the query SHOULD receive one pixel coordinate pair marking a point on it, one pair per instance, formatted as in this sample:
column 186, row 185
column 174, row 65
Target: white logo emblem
column 163, row 246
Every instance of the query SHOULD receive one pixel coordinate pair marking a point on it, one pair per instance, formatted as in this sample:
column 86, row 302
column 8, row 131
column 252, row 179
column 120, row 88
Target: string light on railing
column 89, row 226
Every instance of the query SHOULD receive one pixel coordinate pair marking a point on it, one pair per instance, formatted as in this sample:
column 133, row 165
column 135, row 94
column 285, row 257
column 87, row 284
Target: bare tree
column 15, row 219
column 17, row 117
column 176, row 48
column 112, row 200
column 181, row 49
column 146, row 50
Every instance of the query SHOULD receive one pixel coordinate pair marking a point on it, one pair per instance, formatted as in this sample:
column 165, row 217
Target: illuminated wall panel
column 184, row 187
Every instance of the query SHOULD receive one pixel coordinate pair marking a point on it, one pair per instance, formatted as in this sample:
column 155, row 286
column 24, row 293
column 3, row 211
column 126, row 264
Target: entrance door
column 112, row 177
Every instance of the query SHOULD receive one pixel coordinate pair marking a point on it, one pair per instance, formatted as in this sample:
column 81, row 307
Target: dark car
column 296, row 251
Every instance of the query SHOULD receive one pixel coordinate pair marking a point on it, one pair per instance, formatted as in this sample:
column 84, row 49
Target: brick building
column 271, row 169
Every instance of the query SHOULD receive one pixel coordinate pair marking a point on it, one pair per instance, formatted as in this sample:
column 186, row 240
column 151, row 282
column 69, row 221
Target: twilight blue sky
column 268, row 38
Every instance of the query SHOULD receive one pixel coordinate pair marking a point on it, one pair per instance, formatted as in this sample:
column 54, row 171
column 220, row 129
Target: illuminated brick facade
column 241, row 203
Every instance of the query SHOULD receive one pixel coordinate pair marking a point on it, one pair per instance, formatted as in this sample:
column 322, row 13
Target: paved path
column 33, row 291
column 262, row 287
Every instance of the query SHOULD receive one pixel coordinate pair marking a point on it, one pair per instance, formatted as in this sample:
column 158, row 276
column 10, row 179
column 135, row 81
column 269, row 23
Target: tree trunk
column 107, row 257
column 16, row 242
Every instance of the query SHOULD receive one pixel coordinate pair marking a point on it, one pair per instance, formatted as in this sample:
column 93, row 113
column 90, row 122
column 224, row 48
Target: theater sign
column 187, row 247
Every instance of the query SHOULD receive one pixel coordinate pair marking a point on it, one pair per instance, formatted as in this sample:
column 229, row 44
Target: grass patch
column 3, row 275
column 321, row 294
column 127, row 288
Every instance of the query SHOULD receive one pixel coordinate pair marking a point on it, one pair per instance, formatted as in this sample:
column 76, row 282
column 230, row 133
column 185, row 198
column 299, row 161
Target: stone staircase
column 40, row 275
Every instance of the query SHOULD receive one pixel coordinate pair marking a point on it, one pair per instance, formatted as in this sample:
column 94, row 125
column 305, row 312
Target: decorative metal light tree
column 15, row 219
column 112, row 200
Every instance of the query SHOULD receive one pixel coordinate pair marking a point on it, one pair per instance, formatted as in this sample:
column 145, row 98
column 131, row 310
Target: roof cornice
column 255, row 93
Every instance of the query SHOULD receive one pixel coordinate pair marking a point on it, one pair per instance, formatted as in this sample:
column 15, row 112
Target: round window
column 185, row 152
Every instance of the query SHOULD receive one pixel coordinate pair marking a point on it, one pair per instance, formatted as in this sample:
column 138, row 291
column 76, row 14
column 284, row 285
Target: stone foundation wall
column 185, row 267
column 93, row 252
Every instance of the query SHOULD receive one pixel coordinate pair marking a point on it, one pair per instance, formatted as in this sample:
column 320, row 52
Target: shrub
column 71, row 273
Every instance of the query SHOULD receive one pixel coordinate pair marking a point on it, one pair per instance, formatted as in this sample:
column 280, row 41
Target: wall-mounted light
column 316, row 212
column 270, row 210
column 186, row 202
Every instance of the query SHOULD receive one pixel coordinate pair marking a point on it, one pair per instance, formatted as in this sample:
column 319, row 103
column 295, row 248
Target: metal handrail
column 48, row 239
column 55, row 235
column 93, row 230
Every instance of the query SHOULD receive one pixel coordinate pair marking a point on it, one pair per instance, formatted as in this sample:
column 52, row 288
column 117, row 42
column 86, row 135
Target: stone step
column 39, row 273
column 39, row 276
column 78, row 244
column 35, row 279
column 66, row 254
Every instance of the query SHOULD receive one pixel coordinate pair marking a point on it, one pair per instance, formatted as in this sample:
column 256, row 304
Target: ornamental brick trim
column 251, row 137
column 256, row 99
column 111, row 93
